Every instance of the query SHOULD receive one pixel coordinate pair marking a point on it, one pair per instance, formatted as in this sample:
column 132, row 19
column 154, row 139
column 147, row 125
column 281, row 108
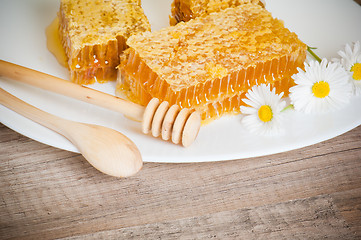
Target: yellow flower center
column 265, row 113
column 321, row 89
column 356, row 69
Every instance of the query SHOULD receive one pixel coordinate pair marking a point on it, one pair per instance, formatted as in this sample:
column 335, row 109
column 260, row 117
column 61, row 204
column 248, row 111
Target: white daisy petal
column 332, row 87
column 249, row 102
column 350, row 57
column 348, row 50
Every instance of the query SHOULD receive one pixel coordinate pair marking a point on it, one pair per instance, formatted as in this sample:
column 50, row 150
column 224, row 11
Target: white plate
column 326, row 24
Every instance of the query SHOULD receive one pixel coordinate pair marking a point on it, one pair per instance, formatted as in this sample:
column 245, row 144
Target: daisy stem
column 287, row 108
column 309, row 49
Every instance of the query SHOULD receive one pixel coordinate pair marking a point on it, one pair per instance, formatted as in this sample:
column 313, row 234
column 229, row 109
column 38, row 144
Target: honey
column 211, row 99
column 93, row 34
column 53, row 42
column 185, row 10
column 213, row 62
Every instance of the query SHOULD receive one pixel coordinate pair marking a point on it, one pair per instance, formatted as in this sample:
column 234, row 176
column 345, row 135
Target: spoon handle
column 66, row 88
column 46, row 119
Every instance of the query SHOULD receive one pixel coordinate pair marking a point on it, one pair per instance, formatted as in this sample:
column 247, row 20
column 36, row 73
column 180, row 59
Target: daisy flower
column 263, row 113
column 320, row 88
column 351, row 61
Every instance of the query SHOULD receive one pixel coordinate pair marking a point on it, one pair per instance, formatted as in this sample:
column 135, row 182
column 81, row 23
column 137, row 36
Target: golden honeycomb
column 94, row 33
column 208, row 63
column 185, row 10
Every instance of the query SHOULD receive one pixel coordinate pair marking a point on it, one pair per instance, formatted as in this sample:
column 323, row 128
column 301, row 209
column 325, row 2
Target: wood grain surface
column 308, row 193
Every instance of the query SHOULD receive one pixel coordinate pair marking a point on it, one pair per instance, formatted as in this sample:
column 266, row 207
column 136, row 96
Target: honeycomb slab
column 94, row 33
column 208, row 63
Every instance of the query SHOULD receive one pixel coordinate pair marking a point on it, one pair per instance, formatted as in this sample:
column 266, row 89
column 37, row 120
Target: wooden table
column 309, row 193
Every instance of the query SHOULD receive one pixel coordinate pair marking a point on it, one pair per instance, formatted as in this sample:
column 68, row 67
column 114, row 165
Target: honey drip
column 53, row 42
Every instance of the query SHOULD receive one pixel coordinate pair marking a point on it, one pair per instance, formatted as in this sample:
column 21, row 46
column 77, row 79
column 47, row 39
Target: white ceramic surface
column 325, row 24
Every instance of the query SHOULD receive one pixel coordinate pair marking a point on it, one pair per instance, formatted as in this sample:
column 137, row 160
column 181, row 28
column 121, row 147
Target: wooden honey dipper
column 181, row 126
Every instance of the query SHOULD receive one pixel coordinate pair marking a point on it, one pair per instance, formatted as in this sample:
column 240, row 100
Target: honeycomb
column 94, row 33
column 185, row 10
column 208, row 63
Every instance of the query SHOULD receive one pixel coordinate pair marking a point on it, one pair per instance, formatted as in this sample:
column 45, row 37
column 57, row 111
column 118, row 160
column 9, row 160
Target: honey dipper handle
column 66, row 88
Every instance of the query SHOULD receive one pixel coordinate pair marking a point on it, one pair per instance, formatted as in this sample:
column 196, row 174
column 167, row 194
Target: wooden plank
column 50, row 193
column 349, row 204
column 312, row 218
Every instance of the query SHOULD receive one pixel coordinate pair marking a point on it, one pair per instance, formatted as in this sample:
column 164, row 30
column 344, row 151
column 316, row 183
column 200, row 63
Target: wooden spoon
column 106, row 149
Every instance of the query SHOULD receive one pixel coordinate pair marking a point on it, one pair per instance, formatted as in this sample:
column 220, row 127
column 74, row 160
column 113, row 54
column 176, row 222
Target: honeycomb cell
column 185, row 10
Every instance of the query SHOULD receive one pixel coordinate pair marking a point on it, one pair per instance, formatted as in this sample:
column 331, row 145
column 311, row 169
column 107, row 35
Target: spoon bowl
column 104, row 148
column 107, row 150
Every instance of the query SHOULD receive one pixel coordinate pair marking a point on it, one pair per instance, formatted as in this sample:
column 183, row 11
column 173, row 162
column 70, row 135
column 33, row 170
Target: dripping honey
column 53, row 42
